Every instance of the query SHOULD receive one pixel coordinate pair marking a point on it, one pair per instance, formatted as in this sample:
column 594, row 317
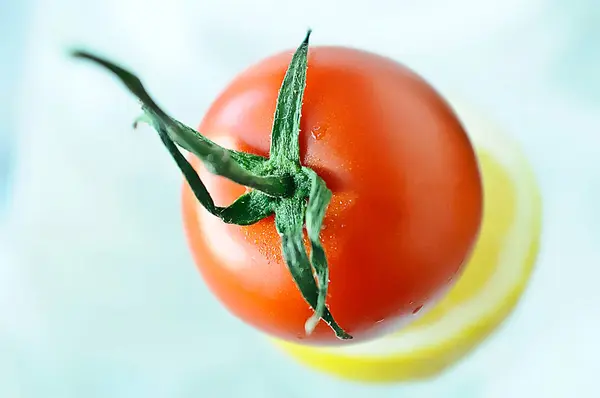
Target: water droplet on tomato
column 417, row 309
column 318, row 132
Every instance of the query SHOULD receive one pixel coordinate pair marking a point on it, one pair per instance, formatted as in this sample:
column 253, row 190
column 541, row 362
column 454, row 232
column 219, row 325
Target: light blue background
column 12, row 29
column 98, row 295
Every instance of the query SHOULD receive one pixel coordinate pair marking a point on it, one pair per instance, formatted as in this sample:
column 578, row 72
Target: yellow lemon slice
column 485, row 294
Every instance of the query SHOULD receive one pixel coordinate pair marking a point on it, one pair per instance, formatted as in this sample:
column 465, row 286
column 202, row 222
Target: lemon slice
column 485, row 294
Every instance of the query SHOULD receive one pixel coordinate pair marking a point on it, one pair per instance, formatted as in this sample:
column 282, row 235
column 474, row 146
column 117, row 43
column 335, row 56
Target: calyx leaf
column 289, row 217
column 248, row 209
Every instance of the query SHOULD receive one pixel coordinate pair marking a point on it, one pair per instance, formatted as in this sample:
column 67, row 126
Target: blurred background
column 98, row 294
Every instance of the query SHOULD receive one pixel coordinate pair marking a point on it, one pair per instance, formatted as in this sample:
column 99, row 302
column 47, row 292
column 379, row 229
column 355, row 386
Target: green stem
column 280, row 184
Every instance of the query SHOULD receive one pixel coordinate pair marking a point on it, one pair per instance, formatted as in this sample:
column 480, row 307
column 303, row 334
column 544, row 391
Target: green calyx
column 278, row 184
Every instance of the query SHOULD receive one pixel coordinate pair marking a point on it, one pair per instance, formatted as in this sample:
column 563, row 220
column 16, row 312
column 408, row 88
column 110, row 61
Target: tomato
column 406, row 207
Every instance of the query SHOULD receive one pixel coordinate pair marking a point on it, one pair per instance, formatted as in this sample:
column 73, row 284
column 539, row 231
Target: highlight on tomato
column 330, row 193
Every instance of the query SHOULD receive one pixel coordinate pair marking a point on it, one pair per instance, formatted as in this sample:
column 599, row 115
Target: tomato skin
column 406, row 208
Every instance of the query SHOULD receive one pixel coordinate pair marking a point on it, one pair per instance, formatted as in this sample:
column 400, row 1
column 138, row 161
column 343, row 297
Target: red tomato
column 406, row 208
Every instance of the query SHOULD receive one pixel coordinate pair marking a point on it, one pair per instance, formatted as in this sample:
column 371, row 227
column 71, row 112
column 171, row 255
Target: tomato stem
column 280, row 184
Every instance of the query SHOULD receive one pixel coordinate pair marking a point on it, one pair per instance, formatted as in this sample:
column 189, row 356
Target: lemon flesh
column 485, row 294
